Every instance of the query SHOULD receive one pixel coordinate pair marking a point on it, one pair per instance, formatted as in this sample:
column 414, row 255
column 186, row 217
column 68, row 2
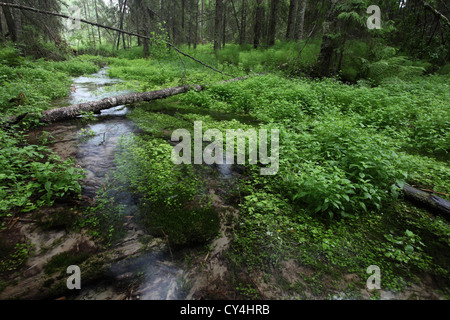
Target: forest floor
column 308, row 233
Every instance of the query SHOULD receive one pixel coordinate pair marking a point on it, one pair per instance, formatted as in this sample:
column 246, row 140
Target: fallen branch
column 432, row 191
column 437, row 13
column 430, row 201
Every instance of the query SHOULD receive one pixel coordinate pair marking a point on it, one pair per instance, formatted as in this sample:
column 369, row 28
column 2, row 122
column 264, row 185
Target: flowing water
column 93, row 145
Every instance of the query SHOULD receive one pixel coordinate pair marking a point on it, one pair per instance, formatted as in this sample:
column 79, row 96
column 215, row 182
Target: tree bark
column 272, row 22
column 218, row 25
column 258, row 23
column 290, row 30
column 87, row 17
column 242, row 31
column 430, row 201
column 224, row 24
column 121, row 18
column 436, row 12
column 329, row 42
column 196, row 25
column 300, row 21
column 98, row 21
column 183, row 6
column 1, row 25
column 70, row 112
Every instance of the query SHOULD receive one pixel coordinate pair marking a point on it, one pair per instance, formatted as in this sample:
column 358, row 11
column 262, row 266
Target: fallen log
column 430, row 201
column 75, row 110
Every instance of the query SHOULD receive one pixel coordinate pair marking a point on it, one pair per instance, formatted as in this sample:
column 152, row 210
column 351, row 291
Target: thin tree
column 218, row 25
column 98, row 21
column 272, row 28
column 300, row 21
column 259, row 17
column 329, row 41
column 290, row 29
column 243, row 30
column 10, row 23
column 1, row 26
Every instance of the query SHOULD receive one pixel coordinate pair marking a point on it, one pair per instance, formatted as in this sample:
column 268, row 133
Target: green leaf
column 48, row 185
column 409, row 249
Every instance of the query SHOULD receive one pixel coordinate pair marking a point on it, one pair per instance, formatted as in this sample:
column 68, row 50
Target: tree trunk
column 238, row 28
column 329, row 43
column 98, row 28
column 10, row 24
column 173, row 20
column 218, row 25
column 1, row 25
column 243, row 29
column 300, row 21
column 183, row 6
column 122, row 26
column 121, row 18
column 75, row 110
column 87, row 17
column 258, row 23
column 142, row 12
column 224, row 23
column 17, row 14
column 272, row 22
column 290, row 30
column 196, row 25
column 189, row 24
column 202, row 19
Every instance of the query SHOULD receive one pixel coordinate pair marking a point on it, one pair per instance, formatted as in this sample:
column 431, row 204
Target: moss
column 61, row 261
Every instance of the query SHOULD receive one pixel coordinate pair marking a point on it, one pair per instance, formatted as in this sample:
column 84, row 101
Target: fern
column 400, row 67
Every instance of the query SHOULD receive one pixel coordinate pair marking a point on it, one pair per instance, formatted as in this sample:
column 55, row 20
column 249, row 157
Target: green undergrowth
column 335, row 205
column 345, row 151
column 31, row 175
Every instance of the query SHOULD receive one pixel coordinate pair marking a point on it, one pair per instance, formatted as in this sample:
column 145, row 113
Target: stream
column 159, row 276
column 151, row 275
